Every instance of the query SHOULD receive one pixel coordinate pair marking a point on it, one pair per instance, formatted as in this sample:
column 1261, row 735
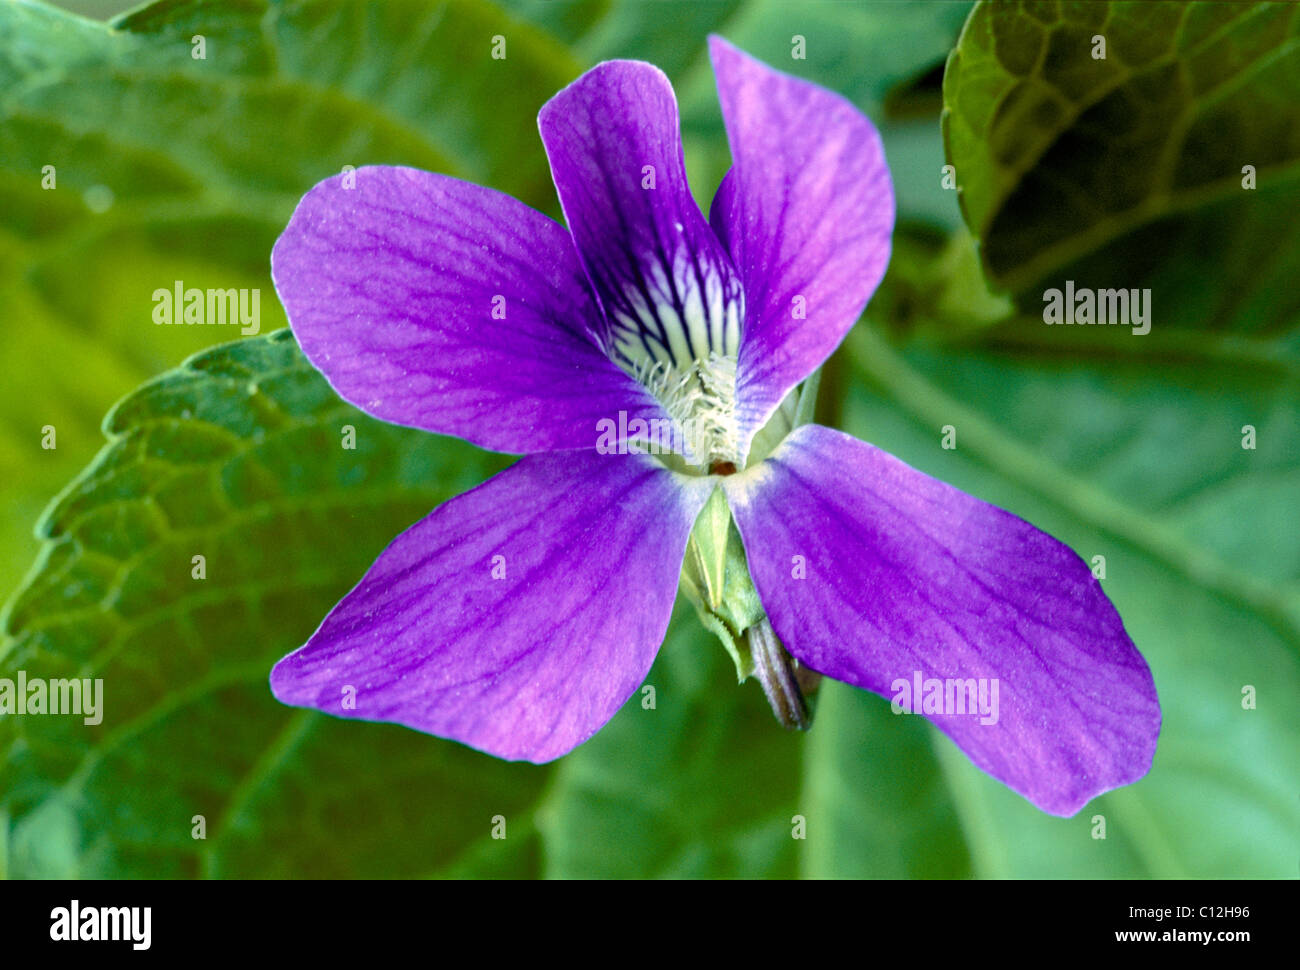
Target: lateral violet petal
column 516, row 618
column 430, row 302
column 667, row 287
column 808, row 221
column 907, row 582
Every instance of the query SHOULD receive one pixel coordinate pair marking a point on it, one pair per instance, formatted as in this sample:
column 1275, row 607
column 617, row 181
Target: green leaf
column 1100, row 170
column 667, row 33
column 167, row 167
column 705, row 783
column 694, row 778
column 241, row 456
column 877, row 803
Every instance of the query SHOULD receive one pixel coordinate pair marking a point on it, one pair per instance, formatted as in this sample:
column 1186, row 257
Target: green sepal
column 715, row 573
column 715, row 578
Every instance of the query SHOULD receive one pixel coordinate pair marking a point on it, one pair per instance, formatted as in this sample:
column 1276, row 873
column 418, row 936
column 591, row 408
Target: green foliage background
column 1117, row 172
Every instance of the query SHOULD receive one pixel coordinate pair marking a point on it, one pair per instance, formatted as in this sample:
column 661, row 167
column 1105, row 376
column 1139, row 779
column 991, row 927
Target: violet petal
column 434, row 303
column 516, row 618
column 808, row 217
column 900, row 573
column 666, row 285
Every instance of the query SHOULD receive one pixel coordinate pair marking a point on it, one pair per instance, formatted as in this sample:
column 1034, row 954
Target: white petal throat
column 678, row 334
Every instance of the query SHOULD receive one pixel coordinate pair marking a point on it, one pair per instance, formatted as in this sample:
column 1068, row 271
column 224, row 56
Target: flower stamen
column 701, row 398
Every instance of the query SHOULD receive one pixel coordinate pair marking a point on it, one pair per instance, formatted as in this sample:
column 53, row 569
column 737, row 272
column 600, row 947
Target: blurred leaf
column 667, row 33
column 1145, row 467
column 706, row 784
column 566, row 20
column 237, row 456
column 170, row 168
column 878, row 806
column 1127, row 171
column 861, row 50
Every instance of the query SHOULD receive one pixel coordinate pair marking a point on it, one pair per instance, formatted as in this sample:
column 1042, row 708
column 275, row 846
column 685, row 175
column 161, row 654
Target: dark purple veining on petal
column 666, row 285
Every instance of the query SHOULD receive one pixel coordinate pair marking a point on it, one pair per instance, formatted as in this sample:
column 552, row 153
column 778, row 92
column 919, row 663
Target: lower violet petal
column 516, row 618
column 882, row 577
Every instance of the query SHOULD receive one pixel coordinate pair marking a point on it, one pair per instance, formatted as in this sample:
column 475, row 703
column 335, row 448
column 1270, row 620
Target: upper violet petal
column 720, row 212
column 434, row 303
column 808, row 221
column 516, row 618
column 905, row 580
column 667, row 287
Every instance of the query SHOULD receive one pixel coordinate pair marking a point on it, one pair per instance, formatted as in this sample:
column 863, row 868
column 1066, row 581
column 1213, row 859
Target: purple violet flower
column 519, row 617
